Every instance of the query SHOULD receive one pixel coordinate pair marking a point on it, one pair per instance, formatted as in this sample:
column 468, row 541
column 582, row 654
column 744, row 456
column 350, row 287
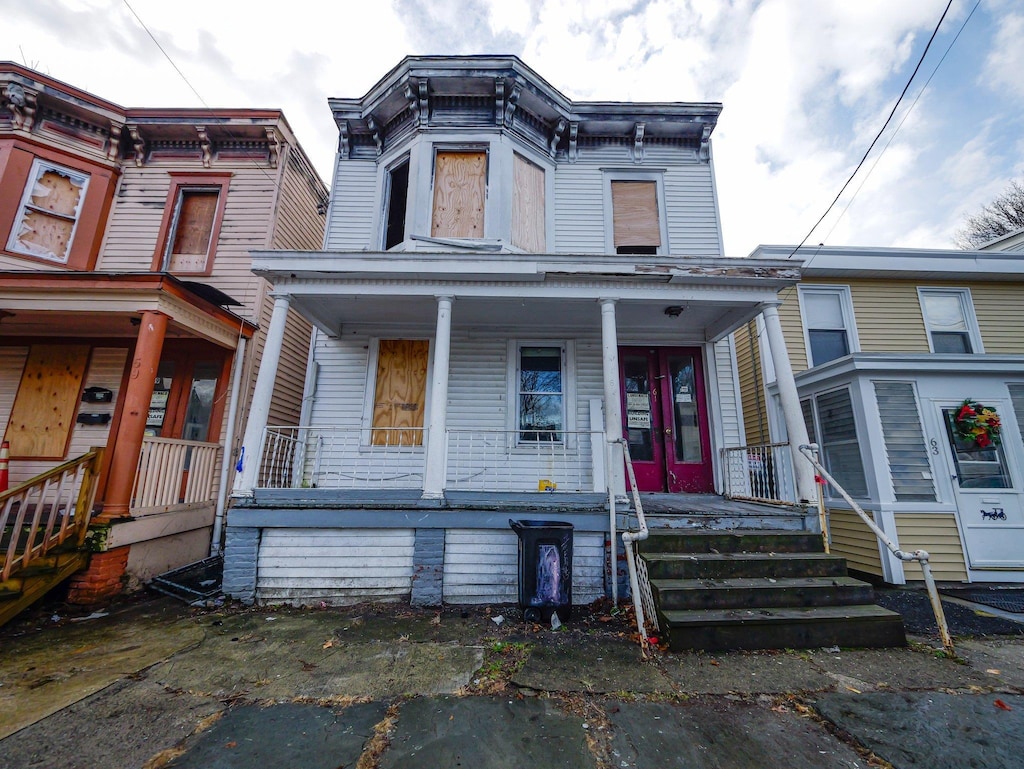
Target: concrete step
column 784, row 628
column 736, row 565
column 760, row 593
column 736, row 541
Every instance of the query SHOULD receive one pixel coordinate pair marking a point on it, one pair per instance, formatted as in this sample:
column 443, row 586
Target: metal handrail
column 641, row 592
column 810, row 450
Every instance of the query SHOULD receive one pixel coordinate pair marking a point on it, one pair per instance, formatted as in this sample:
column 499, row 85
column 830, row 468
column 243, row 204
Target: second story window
column 829, row 329
column 949, row 318
column 528, row 215
column 50, row 208
column 635, row 222
column 397, row 202
column 460, row 194
column 192, row 221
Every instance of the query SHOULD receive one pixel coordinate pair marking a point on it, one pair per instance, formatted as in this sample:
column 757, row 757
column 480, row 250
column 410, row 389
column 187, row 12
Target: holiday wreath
column 977, row 424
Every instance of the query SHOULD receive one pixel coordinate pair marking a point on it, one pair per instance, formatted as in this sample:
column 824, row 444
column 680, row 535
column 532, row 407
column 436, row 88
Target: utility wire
column 900, row 124
column 874, row 141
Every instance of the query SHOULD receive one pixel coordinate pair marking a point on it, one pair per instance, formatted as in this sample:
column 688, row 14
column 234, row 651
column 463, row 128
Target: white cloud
column 1004, row 66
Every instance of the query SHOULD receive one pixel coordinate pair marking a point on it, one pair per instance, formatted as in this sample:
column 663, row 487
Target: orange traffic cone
column 5, row 453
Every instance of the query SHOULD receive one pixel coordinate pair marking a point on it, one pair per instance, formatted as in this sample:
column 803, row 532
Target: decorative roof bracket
column 557, row 136
column 510, row 104
column 418, row 102
column 376, row 133
column 499, row 101
column 114, row 142
column 705, row 142
column 274, row 142
column 138, row 145
column 204, row 145
column 344, row 140
column 638, row 142
column 22, row 103
column 574, row 152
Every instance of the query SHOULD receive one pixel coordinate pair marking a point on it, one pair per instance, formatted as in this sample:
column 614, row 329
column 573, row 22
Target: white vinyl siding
column 338, row 566
column 482, row 566
column 906, row 452
column 351, row 226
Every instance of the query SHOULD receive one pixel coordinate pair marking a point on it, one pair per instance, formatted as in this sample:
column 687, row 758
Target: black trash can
column 545, row 569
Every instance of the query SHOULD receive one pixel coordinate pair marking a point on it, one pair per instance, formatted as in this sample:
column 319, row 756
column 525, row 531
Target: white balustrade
column 174, row 472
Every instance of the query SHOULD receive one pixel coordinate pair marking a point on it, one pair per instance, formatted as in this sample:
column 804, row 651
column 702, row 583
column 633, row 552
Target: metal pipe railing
column 639, row 584
column 810, row 450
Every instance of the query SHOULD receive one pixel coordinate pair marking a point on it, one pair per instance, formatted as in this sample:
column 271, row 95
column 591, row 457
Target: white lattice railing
column 173, row 472
column 342, row 458
column 760, row 473
column 523, row 460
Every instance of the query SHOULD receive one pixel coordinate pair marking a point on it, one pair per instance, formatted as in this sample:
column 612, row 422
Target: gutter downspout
column 228, row 460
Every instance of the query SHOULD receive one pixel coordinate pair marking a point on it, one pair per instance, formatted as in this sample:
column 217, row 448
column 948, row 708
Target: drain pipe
column 228, row 461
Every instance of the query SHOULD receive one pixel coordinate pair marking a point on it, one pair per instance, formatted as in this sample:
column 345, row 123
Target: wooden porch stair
column 760, row 589
column 28, row 585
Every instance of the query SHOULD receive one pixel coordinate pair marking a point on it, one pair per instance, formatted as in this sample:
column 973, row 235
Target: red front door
column 665, row 418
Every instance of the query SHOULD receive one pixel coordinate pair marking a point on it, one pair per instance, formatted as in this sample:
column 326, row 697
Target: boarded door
column 400, row 392
column 44, row 409
column 460, row 188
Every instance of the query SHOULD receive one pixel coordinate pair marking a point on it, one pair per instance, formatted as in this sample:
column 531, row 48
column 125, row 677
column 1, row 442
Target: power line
column 902, row 121
column 874, row 141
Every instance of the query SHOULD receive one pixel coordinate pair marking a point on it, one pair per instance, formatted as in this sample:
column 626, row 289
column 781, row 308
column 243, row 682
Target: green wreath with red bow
column 978, row 424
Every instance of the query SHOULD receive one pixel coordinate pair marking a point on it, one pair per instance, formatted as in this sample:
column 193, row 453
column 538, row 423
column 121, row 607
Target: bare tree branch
column 1003, row 215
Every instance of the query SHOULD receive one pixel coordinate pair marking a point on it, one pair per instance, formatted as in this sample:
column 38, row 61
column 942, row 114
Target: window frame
column 385, row 213
column 849, row 321
column 816, row 435
column 39, row 167
column 486, row 150
column 632, row 175
column 966, row 307
column 567, row 348
column 187, row 182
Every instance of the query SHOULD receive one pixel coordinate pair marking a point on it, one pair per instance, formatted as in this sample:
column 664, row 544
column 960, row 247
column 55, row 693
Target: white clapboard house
column 511, row 281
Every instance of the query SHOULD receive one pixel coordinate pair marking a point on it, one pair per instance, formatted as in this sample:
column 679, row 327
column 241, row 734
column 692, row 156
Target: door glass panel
column 200, row 401
column 158, row 401
column 684, row 409
column 976, row 467
column 637, row 381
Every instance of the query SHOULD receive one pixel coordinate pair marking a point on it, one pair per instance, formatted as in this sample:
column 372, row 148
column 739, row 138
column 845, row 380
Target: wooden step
column 760, row 593
column 784, row 628
column 738, row 565
column 736, row 541
column 35, row 587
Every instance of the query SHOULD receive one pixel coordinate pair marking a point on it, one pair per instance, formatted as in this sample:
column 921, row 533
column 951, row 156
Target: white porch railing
column 173, row 472
column 523, row 460
column 342, row 458
column 810, row 451
column 759, row 473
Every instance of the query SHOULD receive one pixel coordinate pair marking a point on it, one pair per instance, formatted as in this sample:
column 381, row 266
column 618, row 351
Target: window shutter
column 905, row 447
column 460, row 189
column 635, row 214
column 528, row 206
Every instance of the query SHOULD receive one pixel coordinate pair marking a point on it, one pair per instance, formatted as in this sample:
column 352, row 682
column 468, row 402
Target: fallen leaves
column 1002, row 705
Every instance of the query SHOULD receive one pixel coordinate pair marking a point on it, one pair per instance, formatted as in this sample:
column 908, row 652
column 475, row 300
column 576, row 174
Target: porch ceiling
column 696, row 321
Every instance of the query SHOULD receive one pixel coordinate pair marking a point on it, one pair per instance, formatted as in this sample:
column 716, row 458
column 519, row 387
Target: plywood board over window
column 528, row 206
column 45, row 406
column 460, row 191
column 400, row 392
column 635, row 215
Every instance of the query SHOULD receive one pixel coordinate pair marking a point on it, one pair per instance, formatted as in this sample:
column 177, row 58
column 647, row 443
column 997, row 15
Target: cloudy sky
column 805, row 85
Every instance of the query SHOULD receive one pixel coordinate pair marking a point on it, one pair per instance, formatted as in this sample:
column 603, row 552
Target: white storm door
column 988, row 496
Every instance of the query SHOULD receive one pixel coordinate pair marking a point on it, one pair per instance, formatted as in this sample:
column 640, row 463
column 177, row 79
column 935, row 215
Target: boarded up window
column 49, row 212
column 460, row 189
column 47, row 400
column 528, row 206
column 193, row 227
column 400, row 392
column 635, row 218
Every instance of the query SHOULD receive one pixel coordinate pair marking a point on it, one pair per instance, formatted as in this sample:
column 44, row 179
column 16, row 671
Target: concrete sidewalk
column 160, row 685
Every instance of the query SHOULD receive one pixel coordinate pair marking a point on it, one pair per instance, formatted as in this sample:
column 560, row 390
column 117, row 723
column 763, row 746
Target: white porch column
column 612, row 396
column 434, row 472
column 790, row 401
column 259, row 408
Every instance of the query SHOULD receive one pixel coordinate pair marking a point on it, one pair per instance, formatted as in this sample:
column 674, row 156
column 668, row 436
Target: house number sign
column 996, row 514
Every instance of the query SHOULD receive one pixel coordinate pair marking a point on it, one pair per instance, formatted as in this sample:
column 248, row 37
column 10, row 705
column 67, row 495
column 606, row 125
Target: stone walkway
column 386, row 686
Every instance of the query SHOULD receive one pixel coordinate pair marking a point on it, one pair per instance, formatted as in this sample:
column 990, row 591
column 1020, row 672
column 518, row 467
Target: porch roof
column 103, row 304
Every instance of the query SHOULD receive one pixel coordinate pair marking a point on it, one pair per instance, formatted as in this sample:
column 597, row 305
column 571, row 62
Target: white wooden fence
column 173, row 472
